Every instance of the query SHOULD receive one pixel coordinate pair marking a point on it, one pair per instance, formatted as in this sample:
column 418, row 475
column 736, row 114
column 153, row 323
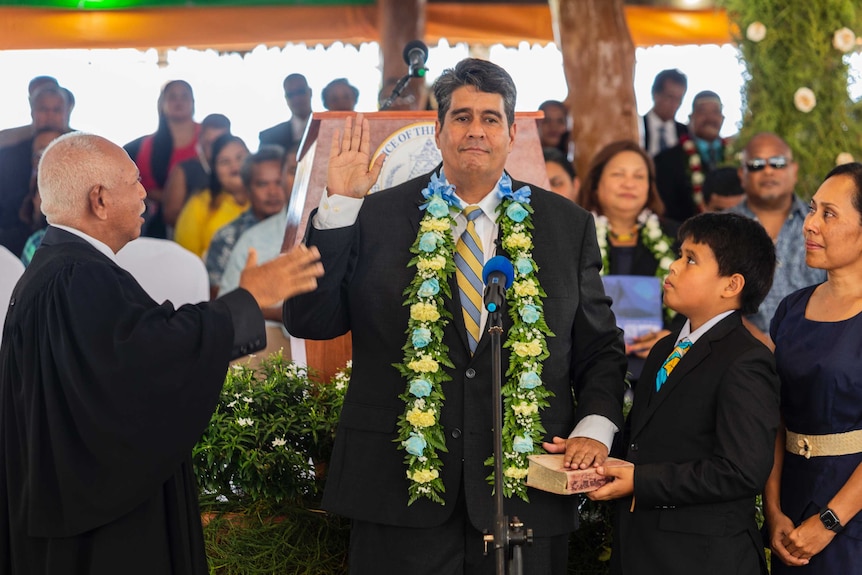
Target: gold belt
column 822, row 445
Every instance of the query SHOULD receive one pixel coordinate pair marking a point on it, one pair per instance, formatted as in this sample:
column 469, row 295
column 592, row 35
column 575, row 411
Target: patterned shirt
column 222, row 244
column 791, row 271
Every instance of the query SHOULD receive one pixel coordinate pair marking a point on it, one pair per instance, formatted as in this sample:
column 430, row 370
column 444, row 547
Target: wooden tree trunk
column 400, row 22
column 598, row 60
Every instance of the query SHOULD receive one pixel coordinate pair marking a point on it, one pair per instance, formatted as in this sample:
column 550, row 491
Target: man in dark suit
column 681, row 170
column 701, row 432
column 659, row 130
column 365, row 245
column 298, row 96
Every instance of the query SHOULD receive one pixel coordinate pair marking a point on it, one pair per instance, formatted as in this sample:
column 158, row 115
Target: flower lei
column 420, row 433
column 695, row 173
column 652, row 236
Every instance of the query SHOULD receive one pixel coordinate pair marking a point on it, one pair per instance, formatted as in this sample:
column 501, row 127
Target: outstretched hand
column 581, row 452
column 291, row 273
column 350, row 171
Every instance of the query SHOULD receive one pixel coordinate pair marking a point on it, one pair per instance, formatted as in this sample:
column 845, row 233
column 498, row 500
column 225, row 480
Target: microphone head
column 415, row 55
column 502, row 265
column 415, row 45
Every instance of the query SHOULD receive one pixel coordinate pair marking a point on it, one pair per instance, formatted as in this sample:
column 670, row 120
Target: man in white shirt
column 659, row 129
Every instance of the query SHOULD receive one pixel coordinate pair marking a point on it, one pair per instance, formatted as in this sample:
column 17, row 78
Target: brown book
column 546, row 472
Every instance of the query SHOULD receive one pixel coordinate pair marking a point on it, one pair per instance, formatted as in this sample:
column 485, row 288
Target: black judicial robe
column 103, row 393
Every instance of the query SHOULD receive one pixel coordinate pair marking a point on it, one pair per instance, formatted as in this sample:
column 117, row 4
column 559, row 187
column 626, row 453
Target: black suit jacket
column 362, row 290
column 674, row 183
column 280, row 135
column 702, row 449
column 681, row 130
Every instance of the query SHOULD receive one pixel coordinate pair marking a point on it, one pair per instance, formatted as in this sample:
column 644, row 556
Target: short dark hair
column 852, row 170
column 740, row 246
column 553, row 104
column 482, row 75
column 705, row 95
column 336, row 82
column 722, row 182
column 665, row 76
column 216, row 121
column 266, row 153
column 558, row 157
column 589, row 199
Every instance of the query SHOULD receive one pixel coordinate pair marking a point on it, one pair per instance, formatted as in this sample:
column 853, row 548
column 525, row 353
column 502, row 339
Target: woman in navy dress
column 814, row 493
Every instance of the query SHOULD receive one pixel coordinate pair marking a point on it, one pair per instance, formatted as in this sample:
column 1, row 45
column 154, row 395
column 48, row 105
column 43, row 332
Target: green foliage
column 271, row 432
column 297, row 541
column 797, row 51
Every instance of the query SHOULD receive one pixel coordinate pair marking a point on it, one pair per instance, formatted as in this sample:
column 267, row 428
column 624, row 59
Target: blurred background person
column 297, row 94
column 340, row 96
column 722, row 189
column 11, row 136
column 192, row 175
column 554, row 130
column 49, row 108
column 634, row 238
column 223, row 201
column 561, row 174
column 174, row 141
column 659, row 129
column 31, row 209
column 261, row 177
column 814, row 493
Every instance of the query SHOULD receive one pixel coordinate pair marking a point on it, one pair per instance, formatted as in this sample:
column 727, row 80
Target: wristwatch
column 830, row 520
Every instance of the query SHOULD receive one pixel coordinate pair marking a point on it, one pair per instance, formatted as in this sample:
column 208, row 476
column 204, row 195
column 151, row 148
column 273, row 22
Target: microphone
column 415, row 55
column 498, row 275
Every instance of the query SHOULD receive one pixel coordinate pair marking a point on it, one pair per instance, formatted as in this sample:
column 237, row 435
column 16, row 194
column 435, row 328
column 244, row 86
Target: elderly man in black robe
column 103, row 392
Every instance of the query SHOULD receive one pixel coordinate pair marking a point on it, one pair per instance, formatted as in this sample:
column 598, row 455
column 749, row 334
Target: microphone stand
column 508, row 536
column 396, row 91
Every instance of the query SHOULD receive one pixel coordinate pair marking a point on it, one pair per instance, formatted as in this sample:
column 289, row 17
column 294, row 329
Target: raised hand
column 291, row 273
column 350, row 170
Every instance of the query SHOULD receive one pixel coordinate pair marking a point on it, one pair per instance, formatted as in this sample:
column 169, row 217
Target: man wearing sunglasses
column 768, row 175
column 297, row 94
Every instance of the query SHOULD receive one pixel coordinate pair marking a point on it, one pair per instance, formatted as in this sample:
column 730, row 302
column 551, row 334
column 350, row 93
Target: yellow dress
column 199, row 219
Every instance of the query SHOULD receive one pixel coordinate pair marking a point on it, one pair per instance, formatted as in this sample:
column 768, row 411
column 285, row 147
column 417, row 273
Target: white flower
column 279, row 442
column 844, row 39
column 665, row 263
column 697, row 178
column 804, row 99
column 662, row 246
column 844, row 158
column 248, row 400
column 232, row 404
column 755, row 32
column 245, row 421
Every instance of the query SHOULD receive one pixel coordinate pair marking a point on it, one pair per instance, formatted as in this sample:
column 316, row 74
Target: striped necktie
column 468, row 262
column 672, row 360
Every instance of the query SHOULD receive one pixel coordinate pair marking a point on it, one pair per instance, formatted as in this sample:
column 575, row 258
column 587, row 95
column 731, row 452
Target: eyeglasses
column 775, row 162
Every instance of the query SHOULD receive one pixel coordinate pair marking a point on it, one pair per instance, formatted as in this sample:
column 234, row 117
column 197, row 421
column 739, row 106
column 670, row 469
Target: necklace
column 651, row 236
column 420, row 433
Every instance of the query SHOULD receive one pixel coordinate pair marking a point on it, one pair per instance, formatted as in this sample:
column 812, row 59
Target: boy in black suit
column 701, row 432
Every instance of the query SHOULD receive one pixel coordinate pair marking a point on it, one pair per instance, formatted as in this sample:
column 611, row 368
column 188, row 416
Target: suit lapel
column 690, row 361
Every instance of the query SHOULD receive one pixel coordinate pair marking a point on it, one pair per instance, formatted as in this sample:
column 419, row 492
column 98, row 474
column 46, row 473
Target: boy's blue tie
column 671, row 361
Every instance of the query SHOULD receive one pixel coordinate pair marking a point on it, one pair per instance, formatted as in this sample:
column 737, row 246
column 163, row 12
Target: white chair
column 166, row 270
column 11, row 269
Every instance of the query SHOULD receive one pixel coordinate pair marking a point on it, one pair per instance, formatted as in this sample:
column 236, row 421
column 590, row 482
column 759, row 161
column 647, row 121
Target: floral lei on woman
column 652, row 236
column 420, row 433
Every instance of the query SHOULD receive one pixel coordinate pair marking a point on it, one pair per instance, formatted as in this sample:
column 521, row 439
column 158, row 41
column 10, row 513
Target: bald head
column 91, row 184
column 770, row 139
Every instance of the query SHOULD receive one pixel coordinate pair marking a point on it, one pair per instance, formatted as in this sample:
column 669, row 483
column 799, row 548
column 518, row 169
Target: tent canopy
column 235, row 25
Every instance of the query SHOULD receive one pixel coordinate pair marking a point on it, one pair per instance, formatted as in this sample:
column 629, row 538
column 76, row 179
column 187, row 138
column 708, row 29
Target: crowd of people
column 743, row 386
